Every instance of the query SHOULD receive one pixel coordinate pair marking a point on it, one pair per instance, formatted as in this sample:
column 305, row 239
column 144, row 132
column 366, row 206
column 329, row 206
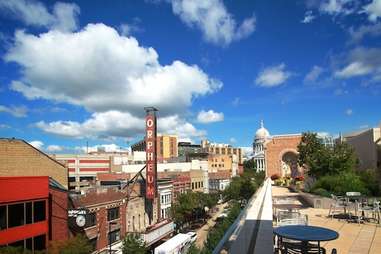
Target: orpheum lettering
column 150, row 156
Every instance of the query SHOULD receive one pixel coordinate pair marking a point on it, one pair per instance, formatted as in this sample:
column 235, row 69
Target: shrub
column 370, row 178
column 341, row 183
column 275, row 177
column 321, row 192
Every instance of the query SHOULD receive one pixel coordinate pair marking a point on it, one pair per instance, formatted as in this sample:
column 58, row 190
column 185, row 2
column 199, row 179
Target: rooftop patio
column 353, row 237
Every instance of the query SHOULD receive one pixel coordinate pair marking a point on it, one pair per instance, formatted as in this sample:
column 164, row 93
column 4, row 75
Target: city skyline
column 82, row 71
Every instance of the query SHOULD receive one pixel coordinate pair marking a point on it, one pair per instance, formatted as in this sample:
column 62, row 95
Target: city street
column 202, row 233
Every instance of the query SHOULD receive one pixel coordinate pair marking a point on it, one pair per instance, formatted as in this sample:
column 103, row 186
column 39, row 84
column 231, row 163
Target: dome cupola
column 262, row 133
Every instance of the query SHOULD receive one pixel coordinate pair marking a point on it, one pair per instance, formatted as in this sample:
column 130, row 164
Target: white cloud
column 217, row 25
column 118, row 124
column 115, row 96
column 54, row 148
column 209, row 116
column 135, row 79
column 308, row 17
column 314, row 74
column 349, row 112
column 109, row 148
column 366, row 30
column 34, row 13
column 247, row 151
column 4, row 126
column 233, row 140
column 336, row 7
column 361, row 61
column 37, row 144
column 373, row 10
column 16, row 111
column 273, row 76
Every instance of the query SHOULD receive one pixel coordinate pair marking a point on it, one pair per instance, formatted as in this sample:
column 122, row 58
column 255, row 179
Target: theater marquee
column 151, row 168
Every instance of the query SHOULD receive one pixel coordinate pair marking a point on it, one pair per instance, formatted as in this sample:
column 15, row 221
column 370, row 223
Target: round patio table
column 306, row 234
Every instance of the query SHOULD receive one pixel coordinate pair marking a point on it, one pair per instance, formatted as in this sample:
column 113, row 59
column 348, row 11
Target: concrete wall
column 18, row 158
column 365, row 147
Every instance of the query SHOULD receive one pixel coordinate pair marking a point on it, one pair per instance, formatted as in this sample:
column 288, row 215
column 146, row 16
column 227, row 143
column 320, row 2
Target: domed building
column 277, row 154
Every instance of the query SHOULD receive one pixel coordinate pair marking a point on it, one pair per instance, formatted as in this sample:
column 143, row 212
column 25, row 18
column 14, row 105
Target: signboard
column 150, row 155
column 77, row 218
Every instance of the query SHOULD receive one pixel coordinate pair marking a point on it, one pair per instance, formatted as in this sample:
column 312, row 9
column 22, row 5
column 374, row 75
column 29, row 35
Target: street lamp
column 109, row 233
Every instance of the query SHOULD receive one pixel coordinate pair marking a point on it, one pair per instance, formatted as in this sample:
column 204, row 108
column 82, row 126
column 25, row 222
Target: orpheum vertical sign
column 151, row 168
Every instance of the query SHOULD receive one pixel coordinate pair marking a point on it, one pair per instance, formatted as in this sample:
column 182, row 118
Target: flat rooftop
column 353, row 237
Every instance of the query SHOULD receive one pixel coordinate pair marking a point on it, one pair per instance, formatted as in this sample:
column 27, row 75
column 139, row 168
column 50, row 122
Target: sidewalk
column 202, row 233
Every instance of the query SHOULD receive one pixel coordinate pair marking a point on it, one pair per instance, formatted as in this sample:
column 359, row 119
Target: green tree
column 249, row 165
column 75, row 245
column 133, row 244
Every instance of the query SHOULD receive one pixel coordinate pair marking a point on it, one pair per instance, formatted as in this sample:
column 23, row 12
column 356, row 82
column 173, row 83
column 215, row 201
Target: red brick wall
column 275, row 149
column 58, row 204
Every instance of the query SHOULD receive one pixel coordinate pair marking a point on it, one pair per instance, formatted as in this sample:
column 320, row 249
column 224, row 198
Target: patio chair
column 297, row 248
column 339, row 203
column 362, row 208
column 376, row 211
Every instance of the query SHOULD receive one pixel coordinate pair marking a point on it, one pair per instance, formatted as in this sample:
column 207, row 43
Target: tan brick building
column 197, row 180
column 19, row 158
column 277, row 154
column 166, row 147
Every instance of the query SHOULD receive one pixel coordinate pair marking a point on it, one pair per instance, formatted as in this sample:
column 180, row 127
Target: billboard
column 150, row 155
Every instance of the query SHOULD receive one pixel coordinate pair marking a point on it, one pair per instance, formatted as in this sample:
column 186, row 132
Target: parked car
column 193, row 236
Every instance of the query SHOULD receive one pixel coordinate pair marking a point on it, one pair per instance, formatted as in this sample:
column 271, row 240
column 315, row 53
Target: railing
column 252, row 231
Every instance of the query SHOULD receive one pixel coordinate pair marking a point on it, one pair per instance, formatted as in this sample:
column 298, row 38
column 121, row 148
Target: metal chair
column 298, row 248
column 339, row 203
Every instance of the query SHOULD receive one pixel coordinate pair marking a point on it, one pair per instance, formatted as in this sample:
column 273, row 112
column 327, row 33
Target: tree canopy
column 132, row 243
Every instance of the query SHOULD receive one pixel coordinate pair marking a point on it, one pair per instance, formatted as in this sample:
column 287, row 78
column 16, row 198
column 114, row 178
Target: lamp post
column 109, row 233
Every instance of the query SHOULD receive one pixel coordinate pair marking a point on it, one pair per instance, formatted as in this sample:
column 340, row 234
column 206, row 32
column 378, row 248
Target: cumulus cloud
column 273, row 76
column 213, row 19
column 34, row 13
column 37, row 144
column 113, row 79
column 135, row 79
column 308, row 17
column 209, row 116
column 361, row 61
column 16, row 111
column 336, row 7
column 314, row 74
column 54, row 148
column 373, row 10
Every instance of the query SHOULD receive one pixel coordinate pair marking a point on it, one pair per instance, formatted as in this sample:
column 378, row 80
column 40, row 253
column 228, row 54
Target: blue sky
column 77, row 72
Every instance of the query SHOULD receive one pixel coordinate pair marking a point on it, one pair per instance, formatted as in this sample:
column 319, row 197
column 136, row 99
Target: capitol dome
column 262, row 133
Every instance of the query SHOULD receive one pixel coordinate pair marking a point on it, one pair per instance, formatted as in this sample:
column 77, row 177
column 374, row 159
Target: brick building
column 18, row 158
column 181, row 182
column 33, row 213
column 218, row 181
column 166, row 147
column 277, row 154
column 222, row 149
column 106, row 216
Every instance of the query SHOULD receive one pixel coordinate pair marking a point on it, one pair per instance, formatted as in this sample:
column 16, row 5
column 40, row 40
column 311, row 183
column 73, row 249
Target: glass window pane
column 3, row 217
column 29, row 243
column 39, row 211
column 28, row 213
column 39, row 242
column 15, row 215
column 91, row 219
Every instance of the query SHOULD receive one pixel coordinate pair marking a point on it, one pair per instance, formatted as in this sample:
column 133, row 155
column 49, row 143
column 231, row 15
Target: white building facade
column 261, row 136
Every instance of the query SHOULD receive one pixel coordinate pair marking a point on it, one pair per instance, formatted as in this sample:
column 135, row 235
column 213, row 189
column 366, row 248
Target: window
column 114, row 236
column 39, row 211
column 15, row 215
column 3, row 217
column 29, row 243
column 113, row 213
column 39, row 242
column 91, row 220
column 93, row 243
column 202, row 184
column 28, row 213
column 192, row 186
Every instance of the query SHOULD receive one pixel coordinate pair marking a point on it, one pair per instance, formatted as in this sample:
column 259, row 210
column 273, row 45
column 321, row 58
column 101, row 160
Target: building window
column 28, row 213
column 113, row 213
column 192, row 186
column 39, row 211
column 3, row 217
column 15, row 215
column 93, row 243
column 91, row 220
column 39, row 242
column 114, row 236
